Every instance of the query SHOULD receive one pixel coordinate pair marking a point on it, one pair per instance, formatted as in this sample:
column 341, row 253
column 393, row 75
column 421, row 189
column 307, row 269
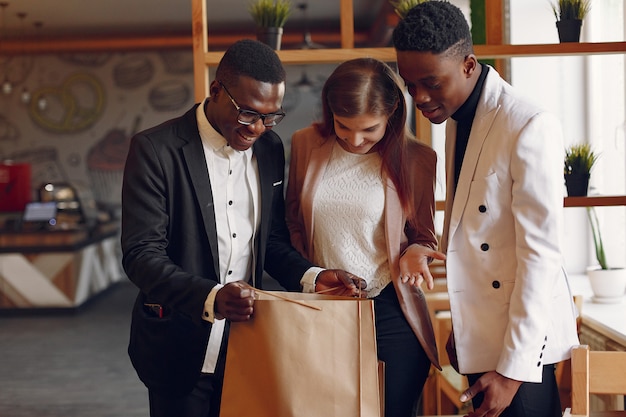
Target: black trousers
column 203, row 401
column 532, row 399
column 406, row 362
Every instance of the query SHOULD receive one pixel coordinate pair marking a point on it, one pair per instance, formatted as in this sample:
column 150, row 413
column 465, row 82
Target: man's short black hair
column 253, row 59
column 434, row 26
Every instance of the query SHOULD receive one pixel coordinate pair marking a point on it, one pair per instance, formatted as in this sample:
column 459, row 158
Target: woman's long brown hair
column 369, row 86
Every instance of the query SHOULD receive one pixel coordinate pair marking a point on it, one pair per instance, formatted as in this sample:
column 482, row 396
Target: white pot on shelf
column 608, row 285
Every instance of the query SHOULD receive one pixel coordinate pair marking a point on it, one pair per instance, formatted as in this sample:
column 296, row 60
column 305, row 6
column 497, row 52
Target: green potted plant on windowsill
column 569, row 16
column 402, row 7
column 270, row 17
column 607, row 283
column 579, row 160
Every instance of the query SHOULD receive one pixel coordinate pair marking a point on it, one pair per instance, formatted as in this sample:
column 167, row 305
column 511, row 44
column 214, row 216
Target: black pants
column 205, row 398
column 202, row 401
column 406, row 363
column 532, row 399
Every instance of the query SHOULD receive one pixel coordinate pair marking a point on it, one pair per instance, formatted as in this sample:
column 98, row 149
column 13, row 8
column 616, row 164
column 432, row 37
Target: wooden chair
column 564, row 368
column 449, row 383
column 437, row 301
column 443, row 388
column 595, row 372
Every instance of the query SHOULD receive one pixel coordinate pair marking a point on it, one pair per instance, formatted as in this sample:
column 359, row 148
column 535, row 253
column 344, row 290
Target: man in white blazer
column 512, row 311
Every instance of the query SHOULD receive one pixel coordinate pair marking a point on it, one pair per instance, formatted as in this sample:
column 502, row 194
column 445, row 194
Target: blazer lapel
column 196, row 164
column 450, row 186
column 264, row 165
column 456, row 199
column 315, row 171
column 394, row 227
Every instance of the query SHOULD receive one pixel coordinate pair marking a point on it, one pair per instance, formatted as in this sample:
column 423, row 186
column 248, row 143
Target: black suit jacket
column 169, row 244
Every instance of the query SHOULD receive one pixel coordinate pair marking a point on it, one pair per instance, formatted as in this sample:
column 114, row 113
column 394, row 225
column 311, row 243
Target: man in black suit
column 202, row 218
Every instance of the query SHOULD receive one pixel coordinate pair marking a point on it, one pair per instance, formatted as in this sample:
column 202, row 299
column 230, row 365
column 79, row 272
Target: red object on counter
column 15, row 188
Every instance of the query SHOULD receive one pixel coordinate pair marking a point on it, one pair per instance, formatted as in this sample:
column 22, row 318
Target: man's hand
column 414, row 265
column 339, row 282
column 498, row 393
column 235, row 301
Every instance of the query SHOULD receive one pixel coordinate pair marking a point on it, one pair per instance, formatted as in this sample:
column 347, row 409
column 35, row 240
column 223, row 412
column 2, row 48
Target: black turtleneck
column 464, row 117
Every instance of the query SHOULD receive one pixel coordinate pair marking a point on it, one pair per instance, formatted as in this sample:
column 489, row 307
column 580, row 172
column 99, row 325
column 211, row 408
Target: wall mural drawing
column 16, row 69
column 133, row 72
column 8, row 131
column 45, row 165
column 73, row 106
column 177, row 62
column 86, row 59
column 105, row 163
column 169, row 95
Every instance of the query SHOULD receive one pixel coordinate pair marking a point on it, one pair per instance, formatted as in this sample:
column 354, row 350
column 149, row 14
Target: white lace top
column 348, row 218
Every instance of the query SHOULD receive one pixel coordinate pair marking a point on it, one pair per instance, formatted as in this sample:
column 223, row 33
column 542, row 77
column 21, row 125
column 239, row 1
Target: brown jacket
column 310, row 154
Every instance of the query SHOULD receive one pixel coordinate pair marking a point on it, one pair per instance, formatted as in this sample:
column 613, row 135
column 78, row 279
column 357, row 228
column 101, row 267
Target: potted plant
column 270, row 16
column 569, row 16
column 402, row 7
column 579, row 159
column 607, row 283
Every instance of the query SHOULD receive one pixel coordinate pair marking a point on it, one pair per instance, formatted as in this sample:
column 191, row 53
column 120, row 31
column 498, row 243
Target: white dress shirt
column 235, row 189
column 234, row 177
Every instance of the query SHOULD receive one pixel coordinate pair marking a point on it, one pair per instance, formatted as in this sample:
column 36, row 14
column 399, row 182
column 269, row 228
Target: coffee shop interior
column 80, row 78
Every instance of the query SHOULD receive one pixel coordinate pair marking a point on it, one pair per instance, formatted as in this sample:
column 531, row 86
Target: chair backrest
column 595, row 372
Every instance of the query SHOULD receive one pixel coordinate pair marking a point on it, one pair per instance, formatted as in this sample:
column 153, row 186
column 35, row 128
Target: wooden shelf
column 319, row 56
column 336, row 55
column 595, row 201
column 558, row 49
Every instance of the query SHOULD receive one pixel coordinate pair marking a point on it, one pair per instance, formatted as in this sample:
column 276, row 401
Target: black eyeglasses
column 248, row 117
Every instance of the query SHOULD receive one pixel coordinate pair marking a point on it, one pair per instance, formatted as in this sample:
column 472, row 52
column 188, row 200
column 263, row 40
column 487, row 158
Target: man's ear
column 214, row 88
column 469, row 65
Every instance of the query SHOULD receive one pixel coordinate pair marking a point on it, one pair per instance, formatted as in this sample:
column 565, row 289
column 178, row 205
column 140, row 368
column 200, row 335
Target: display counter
column 603, row 326
column 57, row 268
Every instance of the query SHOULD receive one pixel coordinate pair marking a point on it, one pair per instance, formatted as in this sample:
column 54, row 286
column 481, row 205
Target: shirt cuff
column 209, row 306
column 309, row 278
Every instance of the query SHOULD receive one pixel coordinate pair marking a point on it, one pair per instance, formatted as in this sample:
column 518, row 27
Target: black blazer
column 169, row 244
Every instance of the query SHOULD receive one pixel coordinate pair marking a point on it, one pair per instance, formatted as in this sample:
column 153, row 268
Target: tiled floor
column 71, row 364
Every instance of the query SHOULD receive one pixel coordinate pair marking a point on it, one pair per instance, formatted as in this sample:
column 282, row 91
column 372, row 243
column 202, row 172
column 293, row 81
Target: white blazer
column 512, row 309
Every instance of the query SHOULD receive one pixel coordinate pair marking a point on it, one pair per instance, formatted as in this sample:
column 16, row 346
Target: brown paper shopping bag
column 314, row 358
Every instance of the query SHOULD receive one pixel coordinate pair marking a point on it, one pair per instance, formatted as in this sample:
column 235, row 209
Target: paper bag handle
column 302, row 303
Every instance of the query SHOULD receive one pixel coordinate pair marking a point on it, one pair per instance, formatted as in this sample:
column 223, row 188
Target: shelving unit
column 494, row 49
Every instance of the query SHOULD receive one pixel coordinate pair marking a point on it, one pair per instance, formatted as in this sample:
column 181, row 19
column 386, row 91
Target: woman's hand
column 414, row 265
column 339, row 282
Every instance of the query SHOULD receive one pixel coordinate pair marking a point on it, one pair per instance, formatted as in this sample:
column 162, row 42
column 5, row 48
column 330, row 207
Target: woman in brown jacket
column 361, row 197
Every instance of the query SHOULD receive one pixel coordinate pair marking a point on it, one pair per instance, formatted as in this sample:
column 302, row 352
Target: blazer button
column 484, row 247
column 495, row 284
column 482, row 208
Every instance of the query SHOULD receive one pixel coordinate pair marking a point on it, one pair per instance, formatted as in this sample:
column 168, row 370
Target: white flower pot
column 608, row 285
